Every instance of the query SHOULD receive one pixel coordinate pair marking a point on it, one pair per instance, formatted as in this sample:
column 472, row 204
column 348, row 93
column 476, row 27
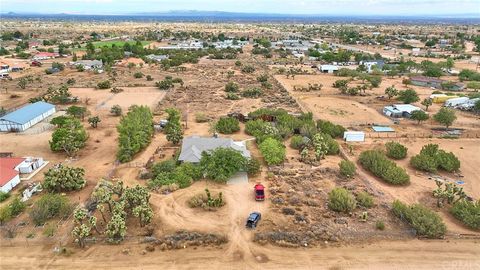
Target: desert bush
column 467, row 212
column 365, row 199
column 347, row 168
column 273, row 151
column 201, row 118
column 207, row 201
column 104, row 85
column 376, row 162
column 253, row 92
column 116, row 110
column 227, row 125
column 431, row 158
column 231, row 87
column 336, row 131
column 149, row 78
column 340, row 83
column 166, row 166
column 253, row 166
column 380, row 225
column 4, row 196
column 232, row 96
column 341, row 200
column 248, row 69
column 50, row 206
column 426, row 222
column 297, row 142
column 138, row 75
column 261, row 130
column 396, row 150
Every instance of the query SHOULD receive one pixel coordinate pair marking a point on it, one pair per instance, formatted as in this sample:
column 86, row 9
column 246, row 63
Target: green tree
column 94, row 121
column 70, row 137
column 62, row 178
column 83, row 225
column 445, row 116
column 221, row 163
column 22, row 83
column 419, row 115
column 77, row 111
column 173, row 129
column 408, row 96
column 320, row 145
column 391, row 92
column 427, row 103
column 135, row 132
column 273, row 151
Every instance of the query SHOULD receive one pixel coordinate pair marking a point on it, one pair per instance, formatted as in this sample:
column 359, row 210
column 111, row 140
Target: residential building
column 157, row 58
column 9, row 173
column 328, row 68
column 89, row 64
column 45, row 55
column 400, row 110
column 426, row 81
column 192, row 147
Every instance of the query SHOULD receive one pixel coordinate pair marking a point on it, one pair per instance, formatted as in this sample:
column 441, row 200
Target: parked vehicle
column 259, row 190
column 253, row 220
column 36, row 64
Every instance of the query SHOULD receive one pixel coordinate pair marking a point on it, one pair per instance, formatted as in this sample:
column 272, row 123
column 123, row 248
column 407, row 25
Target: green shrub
column 201, row 118
column 4, row 196
column 5, row 214
column 227, row 125
column 380, row 225
column 376, row 162
column 297, row 142
column 62, row 178
column 432, row 158
column 231, row 87
column 364, row 199
column 253, row 92
column 232, row 96
column 336, row 131
column 426, row 222
column 253, row 166
column 50, row 206
column 191, row 170
column 396, row 150
column 16, row 206
column 347, row 168
column 138, row 75
column 165, row 166
column 273, row 151
column 248, row 69
column 262, row 130
column 467, row 212
column 341, row 200
column 104, row 85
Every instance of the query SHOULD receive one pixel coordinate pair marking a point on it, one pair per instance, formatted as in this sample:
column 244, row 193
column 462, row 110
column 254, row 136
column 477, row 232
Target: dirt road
column 413, row 254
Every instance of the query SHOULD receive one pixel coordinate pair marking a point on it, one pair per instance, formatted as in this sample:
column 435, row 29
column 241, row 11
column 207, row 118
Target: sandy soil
column 414, row 254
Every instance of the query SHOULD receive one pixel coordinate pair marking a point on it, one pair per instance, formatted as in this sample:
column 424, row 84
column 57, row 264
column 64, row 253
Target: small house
column 192, row 147
column 328, row 69
column 157, row 58
column 400, row 110
column 354, row 136
column 89, row 64
column 369, row 65
column 9, row 173
column 26, row 117
column 44, row 56
column 426, row 82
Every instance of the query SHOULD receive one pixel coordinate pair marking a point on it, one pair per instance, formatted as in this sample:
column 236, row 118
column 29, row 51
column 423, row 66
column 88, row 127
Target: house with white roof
column 192, row 147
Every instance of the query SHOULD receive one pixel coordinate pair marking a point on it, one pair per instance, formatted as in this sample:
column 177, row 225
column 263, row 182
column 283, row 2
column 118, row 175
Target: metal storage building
column 26, row 117
column 354, row 136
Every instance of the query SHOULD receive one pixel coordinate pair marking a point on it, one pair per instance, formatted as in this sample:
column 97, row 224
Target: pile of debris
column 184, row 239
column 315, row 234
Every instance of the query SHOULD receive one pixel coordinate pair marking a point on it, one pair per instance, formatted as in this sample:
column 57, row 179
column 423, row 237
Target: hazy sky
column 327, row 7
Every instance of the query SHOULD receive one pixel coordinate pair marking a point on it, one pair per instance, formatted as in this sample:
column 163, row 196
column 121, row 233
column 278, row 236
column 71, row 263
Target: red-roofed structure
column 9, row 173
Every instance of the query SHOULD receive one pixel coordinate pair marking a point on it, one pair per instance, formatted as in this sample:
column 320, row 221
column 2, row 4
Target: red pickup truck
column 259, row 192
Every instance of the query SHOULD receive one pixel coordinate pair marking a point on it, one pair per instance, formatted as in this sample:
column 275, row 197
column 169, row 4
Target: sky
column 318, row 7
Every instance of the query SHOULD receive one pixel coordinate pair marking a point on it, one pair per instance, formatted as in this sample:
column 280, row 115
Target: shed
column 456, row 101
column 26, row 117
column 328, row 68
column 382, row 129
column 400, row 110
column 354, row 136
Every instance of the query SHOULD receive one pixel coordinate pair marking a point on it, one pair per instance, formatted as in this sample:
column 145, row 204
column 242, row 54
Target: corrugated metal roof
column 27, row 113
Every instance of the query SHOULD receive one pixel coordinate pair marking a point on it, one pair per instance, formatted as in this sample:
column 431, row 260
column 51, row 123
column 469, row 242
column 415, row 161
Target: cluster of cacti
column 214, row 202
column 449, row 192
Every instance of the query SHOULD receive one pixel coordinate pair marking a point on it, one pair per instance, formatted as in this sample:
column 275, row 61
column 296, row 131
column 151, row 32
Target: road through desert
column 413, row 254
